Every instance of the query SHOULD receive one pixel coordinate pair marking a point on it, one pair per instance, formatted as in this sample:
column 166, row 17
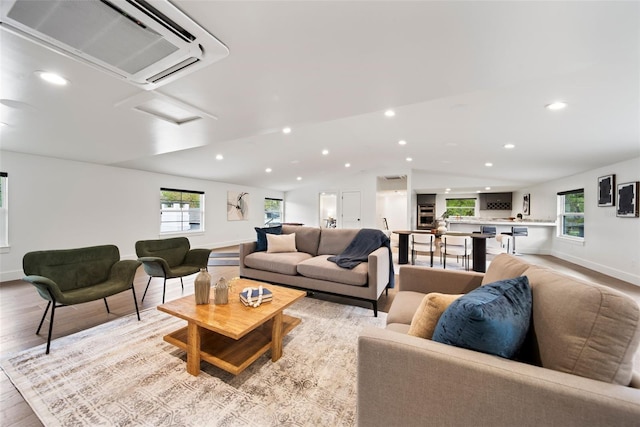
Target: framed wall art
column 237, row 206
column 526, row 204
column 628, row 200
column 606, row 190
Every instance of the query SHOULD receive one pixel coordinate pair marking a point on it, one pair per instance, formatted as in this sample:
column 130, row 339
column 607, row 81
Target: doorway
column 328, row 209
column 351, row 206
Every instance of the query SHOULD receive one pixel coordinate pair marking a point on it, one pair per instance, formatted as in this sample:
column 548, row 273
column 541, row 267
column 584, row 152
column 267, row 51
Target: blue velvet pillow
column 262, row 236
column 493, row 318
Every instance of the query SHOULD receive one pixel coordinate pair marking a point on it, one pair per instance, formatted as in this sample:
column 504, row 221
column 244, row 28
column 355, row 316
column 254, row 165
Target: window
column 571, row 213
column 4, row 211
column 181, row 211
column 272, row 212
column 461, row 207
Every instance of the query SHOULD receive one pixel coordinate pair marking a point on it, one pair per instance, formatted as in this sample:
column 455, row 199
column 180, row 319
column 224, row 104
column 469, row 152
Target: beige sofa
column 309, row 269
column 582, row 336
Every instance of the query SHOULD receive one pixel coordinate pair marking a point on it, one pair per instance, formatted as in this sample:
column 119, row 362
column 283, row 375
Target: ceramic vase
column 202, row 286
column 221, row 292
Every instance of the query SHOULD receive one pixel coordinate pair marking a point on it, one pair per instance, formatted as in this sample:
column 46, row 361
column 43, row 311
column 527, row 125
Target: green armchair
column 169, row 259
column 74, row 276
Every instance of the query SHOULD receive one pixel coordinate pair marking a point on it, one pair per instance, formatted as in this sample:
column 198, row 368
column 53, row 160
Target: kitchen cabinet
column 495, row 201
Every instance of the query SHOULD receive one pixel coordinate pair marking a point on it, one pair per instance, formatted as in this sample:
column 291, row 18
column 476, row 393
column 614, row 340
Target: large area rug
column 122, row 373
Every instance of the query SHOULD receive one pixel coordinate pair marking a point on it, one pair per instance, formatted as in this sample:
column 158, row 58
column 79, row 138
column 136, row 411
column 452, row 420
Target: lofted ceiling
column 464, row 79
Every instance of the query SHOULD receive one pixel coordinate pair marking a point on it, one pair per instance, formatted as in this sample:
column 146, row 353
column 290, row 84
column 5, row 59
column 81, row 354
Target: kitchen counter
column 539, row 240
column 507, row 222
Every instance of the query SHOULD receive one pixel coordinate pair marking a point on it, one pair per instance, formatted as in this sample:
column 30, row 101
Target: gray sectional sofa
column 309, row 269
column 581, row 349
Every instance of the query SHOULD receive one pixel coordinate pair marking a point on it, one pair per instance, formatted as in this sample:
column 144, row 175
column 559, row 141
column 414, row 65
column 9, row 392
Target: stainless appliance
column 426, row 216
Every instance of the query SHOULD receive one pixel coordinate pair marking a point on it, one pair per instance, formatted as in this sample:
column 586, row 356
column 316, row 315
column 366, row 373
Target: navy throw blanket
column 366, row 241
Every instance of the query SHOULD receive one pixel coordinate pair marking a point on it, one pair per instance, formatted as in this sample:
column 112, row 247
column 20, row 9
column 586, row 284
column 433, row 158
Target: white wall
column 57, row 204
column 611, row 244
column 302, row 205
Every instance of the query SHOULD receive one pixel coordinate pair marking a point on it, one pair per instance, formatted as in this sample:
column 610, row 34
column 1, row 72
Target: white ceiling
column 463, row 77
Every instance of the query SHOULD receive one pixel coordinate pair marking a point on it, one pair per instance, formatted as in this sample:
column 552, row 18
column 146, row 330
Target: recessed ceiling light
column 487, row 188
column 286, row 130
column 402, row 142
column 299, row 178
column 52, row 78
column 558, row 105
column 347, row 165
column 409, row 159
column 3, row 124
column 509, row 146
column 219, row 157
column 268, row 170
column 478, row 191
column 488, row 164
column 325, row 152
column 389, row 113
column 447, row 189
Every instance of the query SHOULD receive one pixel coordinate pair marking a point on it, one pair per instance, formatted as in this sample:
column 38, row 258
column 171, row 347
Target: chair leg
column 106, row 305
column 375, row 308
column 53, row 311
column 145, row 290
column 135, row 301
column 164, row 288
column 46, row 310
column 181, row 284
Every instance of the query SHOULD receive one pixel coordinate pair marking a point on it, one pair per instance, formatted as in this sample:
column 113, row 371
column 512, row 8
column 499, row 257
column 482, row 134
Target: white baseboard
column 600, row 268
column 7, row 276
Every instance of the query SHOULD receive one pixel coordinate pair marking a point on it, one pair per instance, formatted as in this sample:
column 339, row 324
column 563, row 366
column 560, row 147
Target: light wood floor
column 21, row 309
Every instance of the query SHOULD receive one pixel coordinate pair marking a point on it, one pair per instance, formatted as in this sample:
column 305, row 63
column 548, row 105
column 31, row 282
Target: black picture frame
column 607, row 190
column 526, row 204
column 628, row 200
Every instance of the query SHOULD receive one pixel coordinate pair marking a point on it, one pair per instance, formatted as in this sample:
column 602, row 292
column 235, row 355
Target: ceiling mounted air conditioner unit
column 147, row 43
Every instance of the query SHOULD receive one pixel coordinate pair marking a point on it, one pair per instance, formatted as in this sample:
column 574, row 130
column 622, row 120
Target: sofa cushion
column 307, row 238
column 503, row 267
column 283, row 263
column 321, row 268
column 334, row 241
column 426, row 317
column 261, row 242
column 281, row 243
column 493, row 318
column 582, row 328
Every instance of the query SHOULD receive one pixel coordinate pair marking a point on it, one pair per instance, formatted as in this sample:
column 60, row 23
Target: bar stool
column 516, row 231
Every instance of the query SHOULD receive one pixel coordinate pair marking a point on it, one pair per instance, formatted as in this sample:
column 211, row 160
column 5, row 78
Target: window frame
column 4, row 210
column 281, row 211
column 182, row 211
column 455, row 214
column 563, row 214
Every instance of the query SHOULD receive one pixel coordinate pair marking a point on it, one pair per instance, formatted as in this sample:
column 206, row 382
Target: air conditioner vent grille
column 147, row 43
column 172, row 70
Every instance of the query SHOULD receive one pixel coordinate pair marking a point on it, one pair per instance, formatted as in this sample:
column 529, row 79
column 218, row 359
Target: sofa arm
column 244, row 250
column 426, row 280
column 378, row 265
column 410, row 381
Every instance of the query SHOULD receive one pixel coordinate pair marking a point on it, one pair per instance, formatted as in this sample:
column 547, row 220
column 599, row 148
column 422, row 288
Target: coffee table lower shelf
column 233, row 356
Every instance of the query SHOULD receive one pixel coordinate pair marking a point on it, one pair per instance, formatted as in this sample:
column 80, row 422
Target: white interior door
column 351, row 209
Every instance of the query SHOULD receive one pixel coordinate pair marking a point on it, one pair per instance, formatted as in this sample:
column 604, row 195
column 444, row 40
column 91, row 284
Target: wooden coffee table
column 232, row 336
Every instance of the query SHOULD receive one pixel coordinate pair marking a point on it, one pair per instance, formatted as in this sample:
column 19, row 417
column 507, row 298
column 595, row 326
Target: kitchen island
column 539, row 240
